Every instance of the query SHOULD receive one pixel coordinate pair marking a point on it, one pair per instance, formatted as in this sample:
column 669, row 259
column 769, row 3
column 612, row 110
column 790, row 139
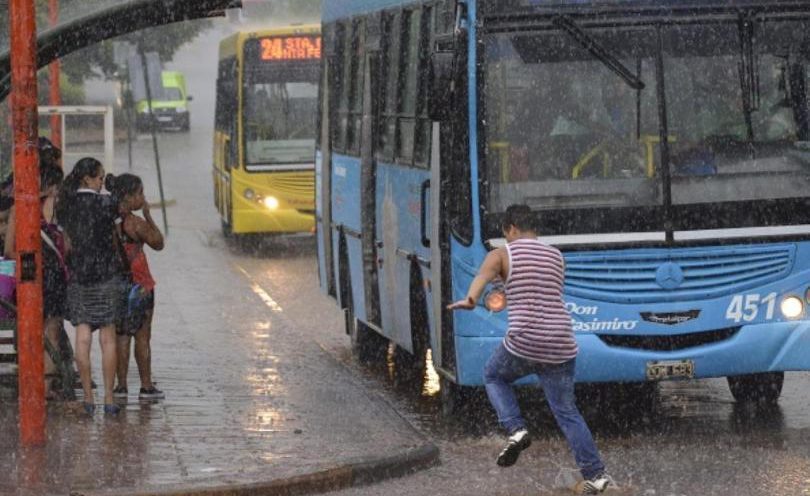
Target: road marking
column 260, row 292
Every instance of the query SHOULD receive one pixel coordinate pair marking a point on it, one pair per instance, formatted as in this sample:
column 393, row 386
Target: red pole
column 27, row 210
column 53, row 81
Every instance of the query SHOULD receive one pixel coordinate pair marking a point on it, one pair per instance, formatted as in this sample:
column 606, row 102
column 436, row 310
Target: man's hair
column 520, row 216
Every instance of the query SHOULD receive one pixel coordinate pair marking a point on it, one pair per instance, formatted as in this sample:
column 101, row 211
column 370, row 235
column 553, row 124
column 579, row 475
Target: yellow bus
column 265, row 125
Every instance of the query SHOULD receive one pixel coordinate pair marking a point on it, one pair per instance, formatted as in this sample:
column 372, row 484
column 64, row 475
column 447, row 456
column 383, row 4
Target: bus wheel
column 410, row 368
column 759, row 388
column 453, row 397
column 368, row 346
column 227, row 232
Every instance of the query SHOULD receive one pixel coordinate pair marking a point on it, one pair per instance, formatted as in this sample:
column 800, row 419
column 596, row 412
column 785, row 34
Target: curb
column 361, row 472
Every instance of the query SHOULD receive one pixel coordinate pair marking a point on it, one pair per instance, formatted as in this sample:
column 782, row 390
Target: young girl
column 96, row 277
column 128, row 191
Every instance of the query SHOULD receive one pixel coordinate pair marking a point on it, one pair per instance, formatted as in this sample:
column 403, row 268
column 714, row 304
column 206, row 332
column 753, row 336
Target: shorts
column 138, row 302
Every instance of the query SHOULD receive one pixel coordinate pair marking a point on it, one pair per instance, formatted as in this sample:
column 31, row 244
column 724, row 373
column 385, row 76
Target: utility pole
column 31, row 371
column 153, row 131
column 55, row 98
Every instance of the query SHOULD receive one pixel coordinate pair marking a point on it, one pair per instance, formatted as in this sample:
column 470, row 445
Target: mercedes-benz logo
column 669, row 275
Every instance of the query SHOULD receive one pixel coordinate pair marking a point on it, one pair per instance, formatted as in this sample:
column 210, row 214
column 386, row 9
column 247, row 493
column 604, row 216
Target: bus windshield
column 280, row 102
column 564, row 133
column 280, row 123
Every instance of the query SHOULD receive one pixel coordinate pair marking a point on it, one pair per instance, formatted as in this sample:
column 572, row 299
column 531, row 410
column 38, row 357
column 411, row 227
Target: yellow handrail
column 503, row 151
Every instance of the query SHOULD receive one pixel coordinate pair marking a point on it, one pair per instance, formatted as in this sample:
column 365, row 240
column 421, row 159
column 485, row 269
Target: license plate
column 675, row 369
column 164, row 119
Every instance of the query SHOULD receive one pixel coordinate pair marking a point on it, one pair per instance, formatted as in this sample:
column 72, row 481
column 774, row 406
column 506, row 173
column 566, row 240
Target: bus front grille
column 670, row 342
column 658, row 275
column 300, row 184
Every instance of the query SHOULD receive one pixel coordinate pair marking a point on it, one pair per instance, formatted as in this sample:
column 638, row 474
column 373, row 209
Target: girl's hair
column 123, row 185
column 86, row 167
column 49, row 175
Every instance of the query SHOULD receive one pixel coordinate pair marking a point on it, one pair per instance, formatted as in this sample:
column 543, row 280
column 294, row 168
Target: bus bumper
column 260, row 220
column 771, row 347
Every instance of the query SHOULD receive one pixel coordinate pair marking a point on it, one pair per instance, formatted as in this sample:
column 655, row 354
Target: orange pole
column 53, row 81
column 27, row 210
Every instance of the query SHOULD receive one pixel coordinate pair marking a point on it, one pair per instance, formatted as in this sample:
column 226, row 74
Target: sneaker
column 152, row 393
column 120, row 392
column 518, row 442
column 596, row 485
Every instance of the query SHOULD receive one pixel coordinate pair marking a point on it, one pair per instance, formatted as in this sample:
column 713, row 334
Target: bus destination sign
column 290, row 48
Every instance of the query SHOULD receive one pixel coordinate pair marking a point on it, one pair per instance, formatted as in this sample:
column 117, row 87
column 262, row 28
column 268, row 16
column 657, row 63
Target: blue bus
column 663, row 144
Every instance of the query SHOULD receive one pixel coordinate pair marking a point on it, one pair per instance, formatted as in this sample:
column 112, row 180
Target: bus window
column 409, row 77
column 391, row 44
column 721, row 154
column 563, row 130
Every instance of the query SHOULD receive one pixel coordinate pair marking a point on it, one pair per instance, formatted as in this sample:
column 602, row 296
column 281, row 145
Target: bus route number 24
column 747, row 307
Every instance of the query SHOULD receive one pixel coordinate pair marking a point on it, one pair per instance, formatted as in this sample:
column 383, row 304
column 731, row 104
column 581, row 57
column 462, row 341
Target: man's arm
column 491, row 269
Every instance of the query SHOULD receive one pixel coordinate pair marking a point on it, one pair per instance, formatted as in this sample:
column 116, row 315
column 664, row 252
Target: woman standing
column 137, row 231
column 54, row 269
column 96, row 283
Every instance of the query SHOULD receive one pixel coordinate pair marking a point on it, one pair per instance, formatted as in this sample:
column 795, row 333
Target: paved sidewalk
column 251, row 404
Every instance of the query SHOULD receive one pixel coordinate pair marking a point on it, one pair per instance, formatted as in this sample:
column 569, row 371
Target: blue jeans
column 557, row 381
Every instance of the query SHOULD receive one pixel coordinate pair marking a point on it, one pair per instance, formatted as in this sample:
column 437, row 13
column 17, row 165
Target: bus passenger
column 95, row 287
column 136, row 231
column 540, row 340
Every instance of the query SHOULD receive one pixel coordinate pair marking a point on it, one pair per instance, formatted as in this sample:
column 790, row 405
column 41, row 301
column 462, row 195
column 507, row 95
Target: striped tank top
column 539, row 324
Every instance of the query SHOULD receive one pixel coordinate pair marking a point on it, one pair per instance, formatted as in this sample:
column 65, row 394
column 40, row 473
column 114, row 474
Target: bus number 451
column 746, row 307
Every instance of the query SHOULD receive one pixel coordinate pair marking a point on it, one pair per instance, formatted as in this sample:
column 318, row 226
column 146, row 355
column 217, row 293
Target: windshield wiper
column 598, row 51
column 749, row 76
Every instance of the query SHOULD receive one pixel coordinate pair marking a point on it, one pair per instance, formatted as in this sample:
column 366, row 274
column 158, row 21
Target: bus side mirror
column 442, row 82
column 189, row 98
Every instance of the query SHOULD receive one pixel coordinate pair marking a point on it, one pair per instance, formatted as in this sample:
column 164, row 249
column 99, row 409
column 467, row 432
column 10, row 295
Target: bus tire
column 762, row 388
column 410, row 368
column 227, row 231
column 368, row 346
column 452, row 397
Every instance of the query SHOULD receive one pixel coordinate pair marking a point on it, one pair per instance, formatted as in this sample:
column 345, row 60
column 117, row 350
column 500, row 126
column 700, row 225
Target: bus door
column 368, row 168
column 403, row 179
column 323, row 180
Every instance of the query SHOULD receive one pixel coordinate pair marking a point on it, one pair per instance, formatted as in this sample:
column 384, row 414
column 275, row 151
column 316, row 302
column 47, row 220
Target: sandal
column 112, row 409
column 89, row 408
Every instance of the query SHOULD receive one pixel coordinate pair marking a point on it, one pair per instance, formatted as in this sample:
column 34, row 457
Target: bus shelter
column 18, row 67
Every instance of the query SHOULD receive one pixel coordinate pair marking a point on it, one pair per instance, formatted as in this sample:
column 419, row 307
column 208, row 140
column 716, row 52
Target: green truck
column 170, row 107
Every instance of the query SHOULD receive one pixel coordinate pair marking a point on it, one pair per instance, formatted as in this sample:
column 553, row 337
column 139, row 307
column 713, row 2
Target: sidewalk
column 252, row 406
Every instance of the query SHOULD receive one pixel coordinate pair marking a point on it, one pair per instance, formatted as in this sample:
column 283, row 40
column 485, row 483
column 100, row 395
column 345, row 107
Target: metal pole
column 26, row 199
column 128, row 113
column 55, row 98
column 152, row 130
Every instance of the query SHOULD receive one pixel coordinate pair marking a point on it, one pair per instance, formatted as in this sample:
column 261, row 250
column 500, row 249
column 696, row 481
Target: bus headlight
column 249, row 194
column 792, row 307
column 270, row 202
column 181, row 110
column 495, row 301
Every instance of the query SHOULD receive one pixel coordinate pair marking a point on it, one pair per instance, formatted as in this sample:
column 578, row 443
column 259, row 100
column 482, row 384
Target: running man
column 540, row 340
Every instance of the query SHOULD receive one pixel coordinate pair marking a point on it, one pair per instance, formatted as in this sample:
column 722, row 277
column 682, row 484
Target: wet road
column 690, row 439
